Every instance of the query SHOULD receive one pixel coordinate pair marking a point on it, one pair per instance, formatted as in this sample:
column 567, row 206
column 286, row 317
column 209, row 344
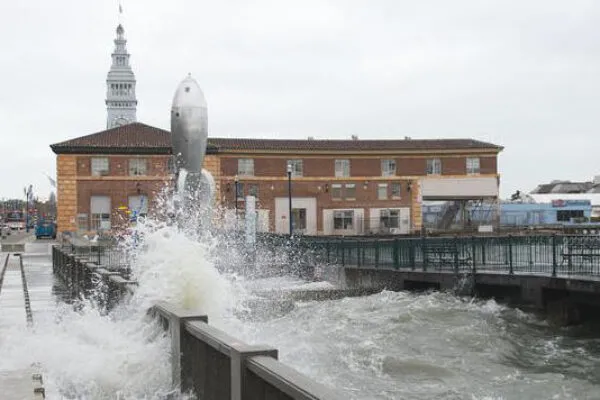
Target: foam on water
column 428, row 346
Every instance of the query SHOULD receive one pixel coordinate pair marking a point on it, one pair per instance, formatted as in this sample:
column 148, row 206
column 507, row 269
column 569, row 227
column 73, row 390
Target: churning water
column 384, row 346
column 433, row 346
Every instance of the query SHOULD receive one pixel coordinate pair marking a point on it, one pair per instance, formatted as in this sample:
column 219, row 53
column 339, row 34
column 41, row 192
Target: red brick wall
column 488, row 165
column 119, row 192
column 454, row 166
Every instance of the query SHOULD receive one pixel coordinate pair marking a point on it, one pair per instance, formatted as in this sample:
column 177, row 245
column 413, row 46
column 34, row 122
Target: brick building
column 102, row 176
column 338, row 186
column 353, row 187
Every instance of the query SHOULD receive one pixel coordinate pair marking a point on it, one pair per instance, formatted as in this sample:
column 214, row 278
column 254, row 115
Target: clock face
column 120, row 121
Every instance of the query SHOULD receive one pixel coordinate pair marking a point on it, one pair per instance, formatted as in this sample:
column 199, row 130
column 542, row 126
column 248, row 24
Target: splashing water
column 85, row 354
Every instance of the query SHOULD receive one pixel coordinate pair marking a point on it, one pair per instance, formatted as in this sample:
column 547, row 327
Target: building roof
column 135, row 138
column 138, row 138
column 238, row 144
column 565, row 187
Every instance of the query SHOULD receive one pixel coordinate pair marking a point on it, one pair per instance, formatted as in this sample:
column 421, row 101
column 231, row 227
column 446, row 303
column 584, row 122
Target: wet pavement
column 22, row 301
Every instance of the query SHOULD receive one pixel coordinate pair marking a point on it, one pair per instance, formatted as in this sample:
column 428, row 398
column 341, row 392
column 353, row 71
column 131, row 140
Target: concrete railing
column 85, row 277
column 216, row 366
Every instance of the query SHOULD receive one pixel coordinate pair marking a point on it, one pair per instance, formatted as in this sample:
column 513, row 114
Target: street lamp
column 289, row 174
column 28, row 193
column 236, row 197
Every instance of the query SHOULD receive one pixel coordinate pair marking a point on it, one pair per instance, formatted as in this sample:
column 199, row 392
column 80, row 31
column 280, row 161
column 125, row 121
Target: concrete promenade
column 25, row 294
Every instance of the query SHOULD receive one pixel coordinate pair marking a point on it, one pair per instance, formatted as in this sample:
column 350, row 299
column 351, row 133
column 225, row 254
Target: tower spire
column 120, row 12
column 121, row 101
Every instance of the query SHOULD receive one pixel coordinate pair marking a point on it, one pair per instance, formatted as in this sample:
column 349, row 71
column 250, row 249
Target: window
column 396, row 190
column 296, row 167
column 239, row 191
column 388, row 167
column 82, row 222
column 382, row 191
column 472, row 165
column 342, row 168
column 389, row 219
column 171, row 161
column 336, row 191
column 350, row 191
column 298, row 218
column 138, row 206
column 100, row 212
column 343, row 219
column 253, row 190
column 137, row 166
column 434, row 166
column 566, row 215
column 246, row 167
column 100, row 166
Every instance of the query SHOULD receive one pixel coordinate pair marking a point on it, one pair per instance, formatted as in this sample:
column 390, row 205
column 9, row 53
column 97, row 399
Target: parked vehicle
column 45, row 229
column 15, row 220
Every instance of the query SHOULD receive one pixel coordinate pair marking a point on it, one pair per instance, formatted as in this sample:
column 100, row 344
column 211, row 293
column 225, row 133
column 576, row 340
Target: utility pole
column 289, row 174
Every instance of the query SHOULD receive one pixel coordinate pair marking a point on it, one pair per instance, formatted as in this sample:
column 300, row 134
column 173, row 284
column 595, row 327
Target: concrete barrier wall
column 86, row 278
column 12, row 247
column 217, row 366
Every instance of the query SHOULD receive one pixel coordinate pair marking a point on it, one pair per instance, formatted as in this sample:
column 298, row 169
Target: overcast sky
column 521, row 74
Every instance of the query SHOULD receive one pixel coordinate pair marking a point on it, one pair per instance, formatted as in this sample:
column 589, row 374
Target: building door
column 299, row 220
column 100, row 213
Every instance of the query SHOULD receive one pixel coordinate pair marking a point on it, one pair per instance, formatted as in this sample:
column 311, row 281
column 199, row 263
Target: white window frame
column 245, row 167
column 381, row 186
column 434, row 166
column 351, row 186
column 388, row 167
column 336, row 187
column 99, row 166
column 342, row 168
column 138, row 166
column 297, row 167
column 473, row 165
column 346, row 216
column 100, row 220
column 399, row 186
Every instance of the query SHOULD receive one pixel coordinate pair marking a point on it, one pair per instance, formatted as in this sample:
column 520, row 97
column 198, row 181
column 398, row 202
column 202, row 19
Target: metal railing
column 542, row 254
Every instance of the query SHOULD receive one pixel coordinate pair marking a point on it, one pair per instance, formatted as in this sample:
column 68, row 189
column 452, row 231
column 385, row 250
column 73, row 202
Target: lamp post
column 289, row 174
column 236, row 180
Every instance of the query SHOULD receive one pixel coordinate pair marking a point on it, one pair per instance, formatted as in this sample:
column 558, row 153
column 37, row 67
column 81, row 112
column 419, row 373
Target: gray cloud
column 520, row 74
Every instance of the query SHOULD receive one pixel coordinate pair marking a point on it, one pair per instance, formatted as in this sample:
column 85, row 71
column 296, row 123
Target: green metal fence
column 550, row 254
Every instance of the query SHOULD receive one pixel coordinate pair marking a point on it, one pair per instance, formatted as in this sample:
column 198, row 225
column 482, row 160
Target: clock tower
column 121, row 101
